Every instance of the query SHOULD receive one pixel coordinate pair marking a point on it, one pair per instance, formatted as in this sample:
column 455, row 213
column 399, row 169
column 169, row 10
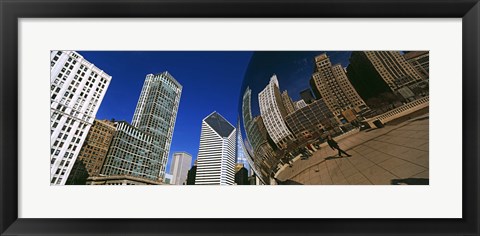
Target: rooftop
column 219, row 124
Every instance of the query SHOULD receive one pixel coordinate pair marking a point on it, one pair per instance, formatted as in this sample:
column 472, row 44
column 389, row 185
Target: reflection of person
column 334, row 145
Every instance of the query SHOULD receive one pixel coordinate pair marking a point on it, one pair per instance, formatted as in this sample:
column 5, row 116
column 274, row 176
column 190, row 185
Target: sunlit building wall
column 93, row 153
column 420, row 60
column 216, row 154
column 393, row 68
column 77, row 88
column 181, row 163
column 331, row 83
column 133, row 153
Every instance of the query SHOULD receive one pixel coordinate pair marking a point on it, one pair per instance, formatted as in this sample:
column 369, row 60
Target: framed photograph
column 249, row 118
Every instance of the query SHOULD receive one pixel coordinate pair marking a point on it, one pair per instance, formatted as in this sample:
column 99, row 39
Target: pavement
column 395, row 154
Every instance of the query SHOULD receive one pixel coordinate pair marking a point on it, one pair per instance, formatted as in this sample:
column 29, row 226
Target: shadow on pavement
column 287, row 182
column 410, row 181
column 334, row 157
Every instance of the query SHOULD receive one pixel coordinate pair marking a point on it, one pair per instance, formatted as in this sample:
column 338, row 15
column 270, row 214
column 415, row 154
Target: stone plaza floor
column 395, row 154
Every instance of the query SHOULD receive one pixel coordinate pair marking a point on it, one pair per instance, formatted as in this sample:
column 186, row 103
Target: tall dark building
column 241, row 175
column 307, row 96
column 364, row 78
column 191, row 174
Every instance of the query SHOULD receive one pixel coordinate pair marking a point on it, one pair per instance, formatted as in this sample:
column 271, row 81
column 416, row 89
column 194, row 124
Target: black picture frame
column 11, row 11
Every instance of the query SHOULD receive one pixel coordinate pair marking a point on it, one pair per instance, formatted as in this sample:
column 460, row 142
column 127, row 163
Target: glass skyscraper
column 141, row 149
column 156, row 112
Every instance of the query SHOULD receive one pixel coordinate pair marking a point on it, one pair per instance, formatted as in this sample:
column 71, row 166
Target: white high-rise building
column 181, row 163
column 216, row 154
column 77, row 88
column 273, row 113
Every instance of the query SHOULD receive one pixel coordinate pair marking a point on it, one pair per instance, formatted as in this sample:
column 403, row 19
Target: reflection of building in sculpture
column 216, row 154
column 77, row 88
column 257, row 144
column 299, row 104
column 307, row 96
column 331, row 83
column 393, row 68
column 420, row 61
column 93, row 153
column 287, row 102
column 364, row 77
column 240, row 156
column 181, row 162
column 370, row 71
column 156, row 112
column 311, row 121
column 248, row 124
column 273, row 113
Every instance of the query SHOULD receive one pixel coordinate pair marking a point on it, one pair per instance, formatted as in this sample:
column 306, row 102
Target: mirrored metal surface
column 290, row 101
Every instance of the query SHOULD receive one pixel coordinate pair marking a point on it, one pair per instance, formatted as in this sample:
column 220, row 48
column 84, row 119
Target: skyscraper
column 420, row 60
column 332, row 84
column 191, row 174
column 156, row 112
column 216, row 154
column 93, row 153
column 240, row 156
column 307, row 96
column 77, row 88
column 142, row 149
column 133, row 153
column 287, row 102
column 273, row 113
column 393, row 68
column 181, row 162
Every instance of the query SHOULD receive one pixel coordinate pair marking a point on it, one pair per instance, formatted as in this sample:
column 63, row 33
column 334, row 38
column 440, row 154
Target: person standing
column 334, row 145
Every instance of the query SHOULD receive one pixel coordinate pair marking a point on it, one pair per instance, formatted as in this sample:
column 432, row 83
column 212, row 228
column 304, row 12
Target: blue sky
column 211, row 82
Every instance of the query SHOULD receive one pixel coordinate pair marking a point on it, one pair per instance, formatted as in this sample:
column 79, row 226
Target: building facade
column 311, row 121
column 181, row 162
column 216, row 154
column 191, row 174
column 420, row 60
column 77, row 88
column 156, row 113
column 287, row 102
column 168, row 178
column 133, row 153
column 241, row 175
column 393, row 68
column 93, row 153
column 273, row 113
column 241, row 157
column 331, row 83
column 120, row 180
column 307, row 96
